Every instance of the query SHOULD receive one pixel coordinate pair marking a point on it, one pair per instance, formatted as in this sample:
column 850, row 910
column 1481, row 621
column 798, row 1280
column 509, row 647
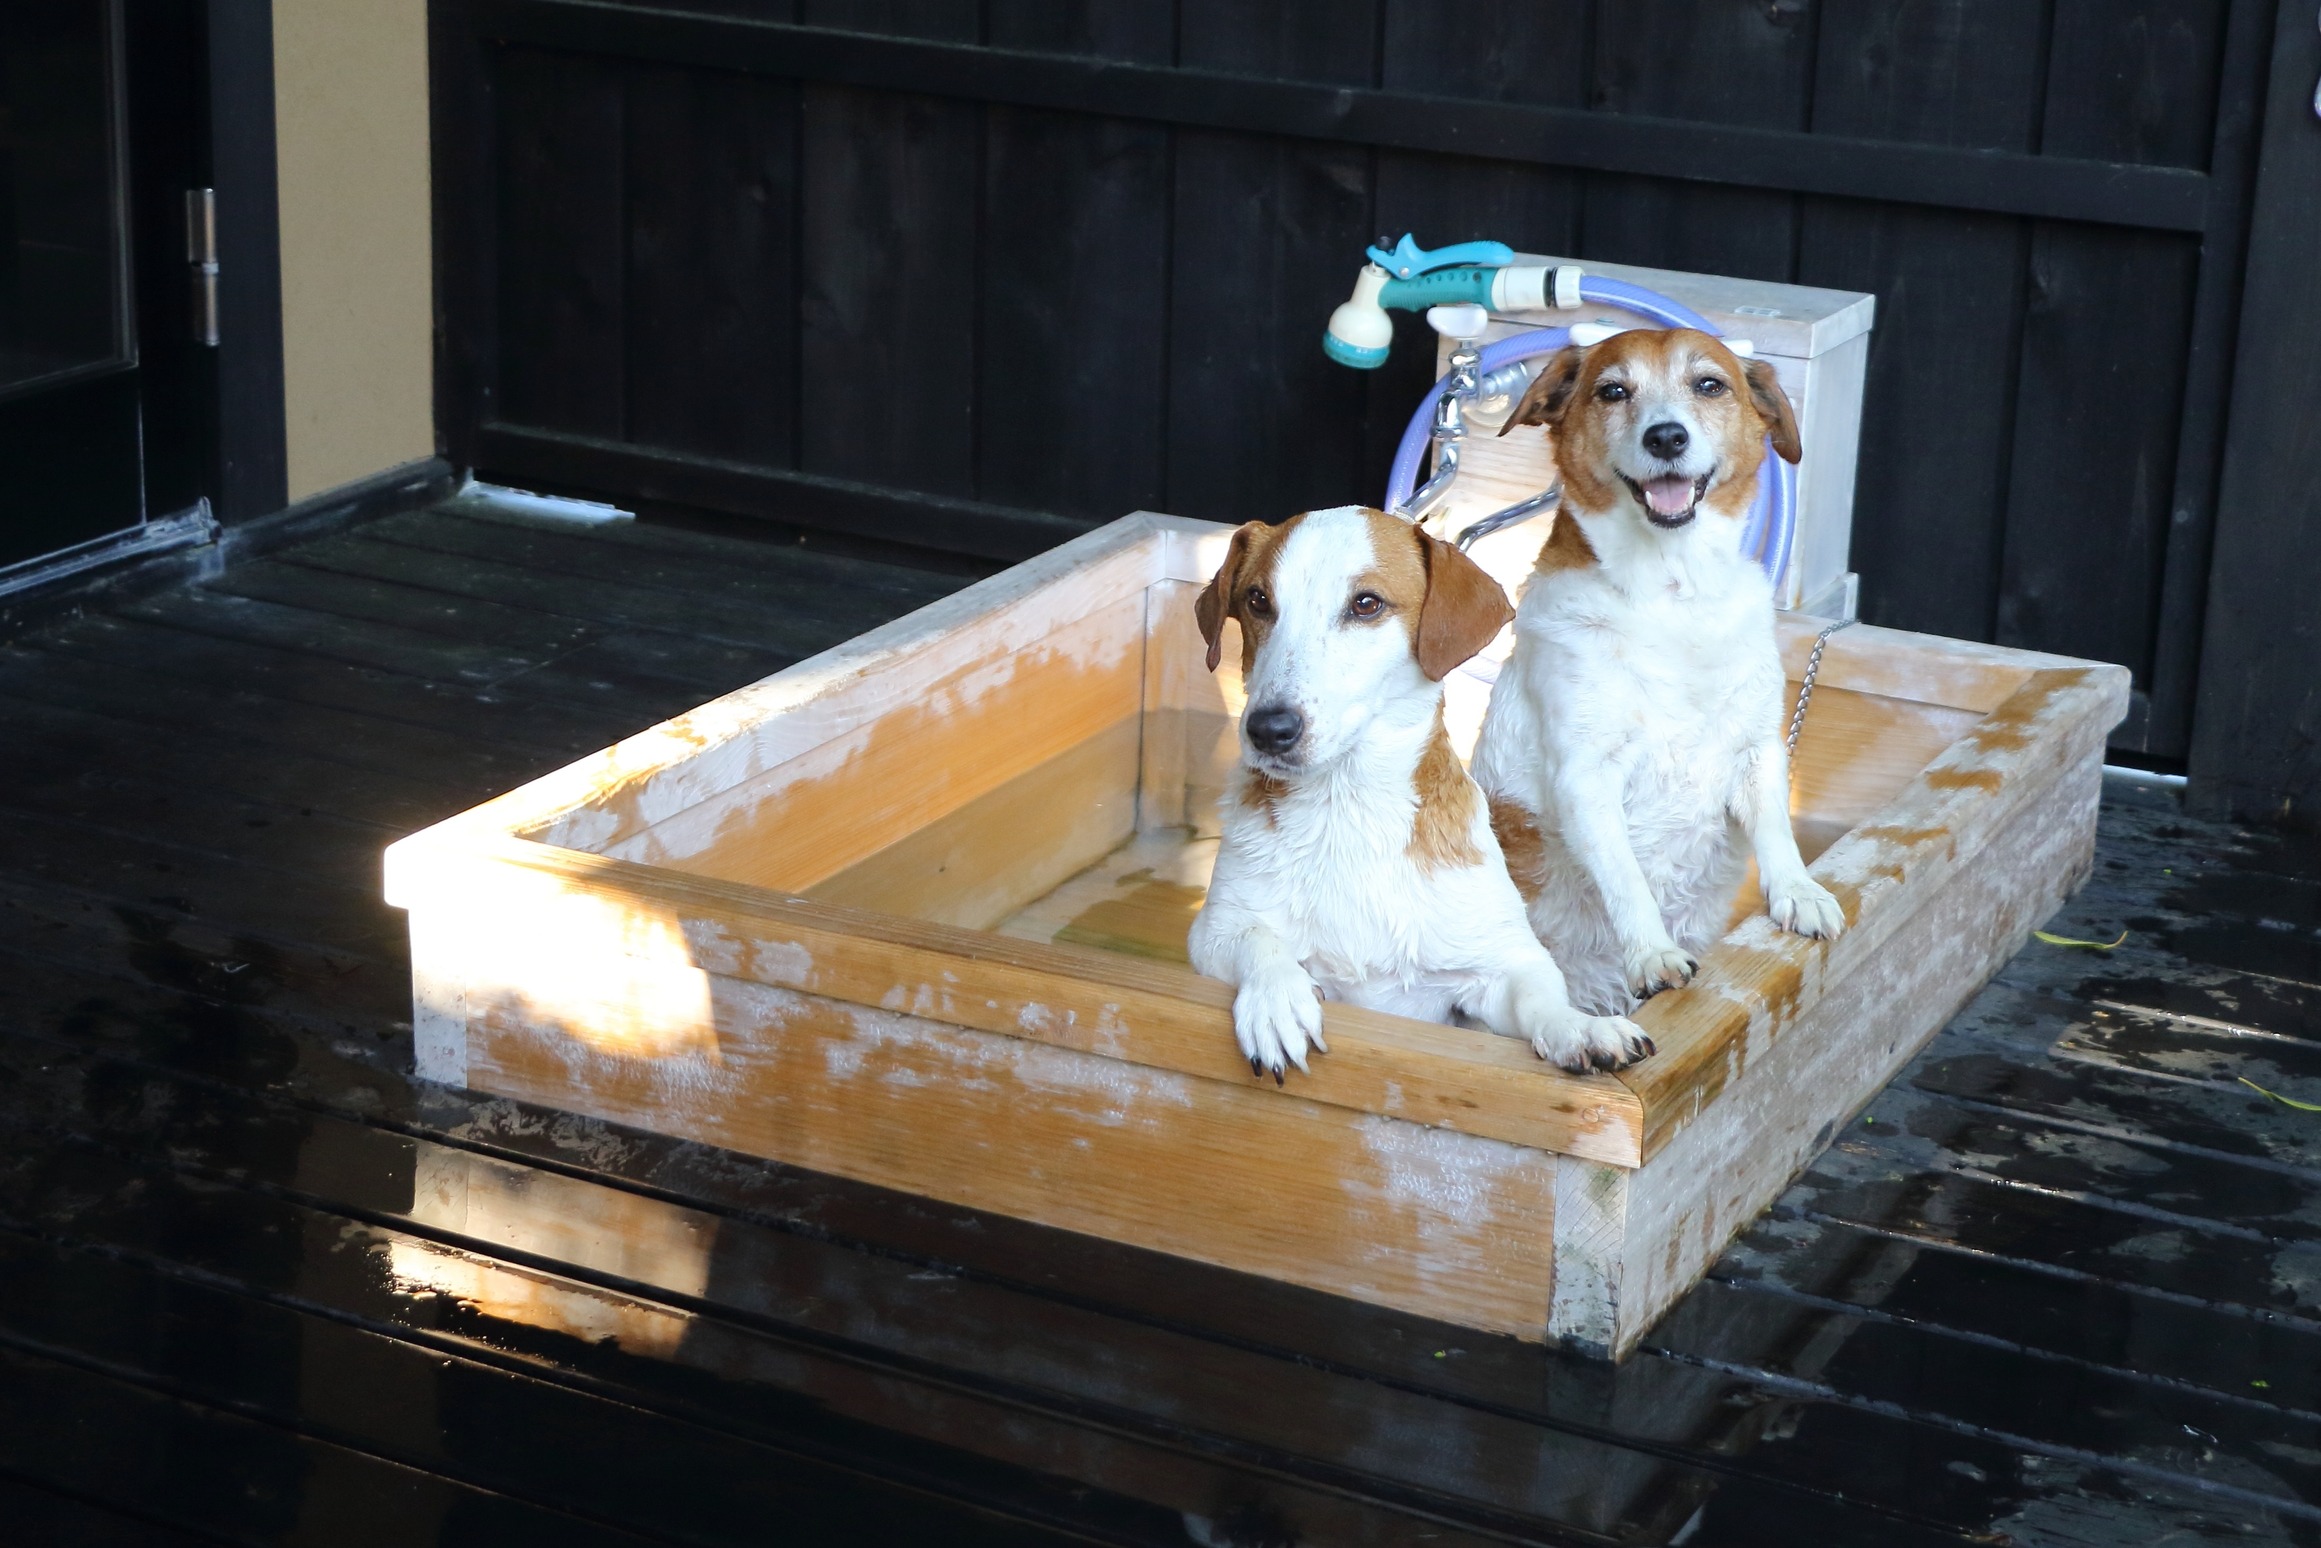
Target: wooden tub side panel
column 977, row 864
column 1189, row 715
column 1393, row 1213
column 931, row 752
column 556, row 921
column 1677, row 1213
column 1857, row 752
column 596, row 802
column 1929, row 668
column 1156, row 769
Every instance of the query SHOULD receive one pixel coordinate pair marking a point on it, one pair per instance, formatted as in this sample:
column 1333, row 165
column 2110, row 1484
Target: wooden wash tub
column 913, row 912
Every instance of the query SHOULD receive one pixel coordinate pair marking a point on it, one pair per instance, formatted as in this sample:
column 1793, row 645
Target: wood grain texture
column 561, row 287
column 962, row 737
column 984, row 860
column 1387, row 1212
column 1736, row 64
column 601, row 800
column 712, row 233
column 2098, row 465
column 2254, row 752
column 1072, row 373
column 1267, row 226
column 1857, row 750
column 1289, row 214
column 2207, row 374
column 1950, row 298
column 656, row 933
column 887, row 337
column 2138, row 87
column 1106, row 29
column 1928, row 548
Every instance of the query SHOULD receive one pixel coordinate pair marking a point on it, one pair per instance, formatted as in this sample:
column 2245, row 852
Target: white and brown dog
column 1358, row 862
column 1634, row 737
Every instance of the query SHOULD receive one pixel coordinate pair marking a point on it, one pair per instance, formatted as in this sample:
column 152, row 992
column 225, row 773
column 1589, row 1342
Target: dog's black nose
column 1275, row 728
column 1667, row 440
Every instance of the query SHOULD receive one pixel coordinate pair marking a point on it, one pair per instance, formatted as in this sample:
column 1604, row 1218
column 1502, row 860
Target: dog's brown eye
column 1260, row 605
column 1610, row 392
column 1708, row 387
column 1366, row 604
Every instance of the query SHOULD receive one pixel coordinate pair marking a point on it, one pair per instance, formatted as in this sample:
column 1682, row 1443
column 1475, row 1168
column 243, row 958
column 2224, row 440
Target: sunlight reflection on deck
column 594, row 1229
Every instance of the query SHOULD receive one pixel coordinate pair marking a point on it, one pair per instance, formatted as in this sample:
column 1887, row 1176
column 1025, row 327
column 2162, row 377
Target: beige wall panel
column 350, row 95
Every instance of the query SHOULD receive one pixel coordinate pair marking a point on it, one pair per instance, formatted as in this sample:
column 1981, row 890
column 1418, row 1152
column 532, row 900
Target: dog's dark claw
column 1650, row 1048
column 1256, row 1068
column 1691, row 966
column 1277, row 1080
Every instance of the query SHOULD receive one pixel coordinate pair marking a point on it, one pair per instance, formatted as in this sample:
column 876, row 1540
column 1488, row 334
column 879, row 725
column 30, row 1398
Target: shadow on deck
column 2059, row 1284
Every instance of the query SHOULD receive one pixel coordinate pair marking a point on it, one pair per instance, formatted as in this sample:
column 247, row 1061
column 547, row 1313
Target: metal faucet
column 1468, row 393
column 1465, row 325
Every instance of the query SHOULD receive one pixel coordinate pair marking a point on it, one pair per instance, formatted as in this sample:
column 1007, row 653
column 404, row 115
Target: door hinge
column 201, row 255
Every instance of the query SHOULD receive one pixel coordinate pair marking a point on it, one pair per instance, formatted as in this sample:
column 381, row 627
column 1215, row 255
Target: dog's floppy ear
column 1464, row 607
column 1773, row 407
column 1215, row 602
column 1544, row 401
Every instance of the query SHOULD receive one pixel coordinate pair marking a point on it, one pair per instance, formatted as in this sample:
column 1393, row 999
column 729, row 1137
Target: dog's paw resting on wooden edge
column 1358, row 862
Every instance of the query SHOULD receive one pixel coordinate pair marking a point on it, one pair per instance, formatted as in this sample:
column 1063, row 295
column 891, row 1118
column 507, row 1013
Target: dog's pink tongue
column 1669, row 496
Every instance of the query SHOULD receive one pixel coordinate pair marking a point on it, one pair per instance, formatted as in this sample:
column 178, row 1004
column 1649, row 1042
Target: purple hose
column 1772, row 529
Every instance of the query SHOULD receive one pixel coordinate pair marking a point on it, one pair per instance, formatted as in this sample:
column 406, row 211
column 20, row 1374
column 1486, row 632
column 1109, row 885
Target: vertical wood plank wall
column 987, row 324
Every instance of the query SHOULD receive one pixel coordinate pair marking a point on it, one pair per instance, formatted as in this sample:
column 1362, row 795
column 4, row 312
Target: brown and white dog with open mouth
column 1633, row 749
column 1357, row 860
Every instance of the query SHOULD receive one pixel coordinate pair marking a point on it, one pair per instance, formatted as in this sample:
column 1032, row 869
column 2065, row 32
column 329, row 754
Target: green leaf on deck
column 2302, row 1107
column 2065, row 940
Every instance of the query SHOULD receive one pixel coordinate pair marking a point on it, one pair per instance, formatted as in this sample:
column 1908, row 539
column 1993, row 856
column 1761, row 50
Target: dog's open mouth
column 1670, row 500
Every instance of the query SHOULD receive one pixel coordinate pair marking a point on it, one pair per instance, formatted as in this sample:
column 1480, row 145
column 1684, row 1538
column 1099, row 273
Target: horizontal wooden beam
column 1153, row 1014
column 2054, row 187
column 948, row 525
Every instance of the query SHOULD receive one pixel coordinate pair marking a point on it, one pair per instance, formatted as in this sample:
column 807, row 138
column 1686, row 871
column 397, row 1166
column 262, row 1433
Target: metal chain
column 1805, row 688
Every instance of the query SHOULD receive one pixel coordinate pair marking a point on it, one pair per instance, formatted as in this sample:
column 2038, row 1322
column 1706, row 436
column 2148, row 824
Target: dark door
column 100, row 400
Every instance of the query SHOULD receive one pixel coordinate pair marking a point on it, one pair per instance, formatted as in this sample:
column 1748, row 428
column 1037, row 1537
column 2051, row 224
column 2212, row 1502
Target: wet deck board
column 2060, row 1283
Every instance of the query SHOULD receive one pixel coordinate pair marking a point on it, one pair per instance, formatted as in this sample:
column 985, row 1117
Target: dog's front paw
column 1655, row 968
column 1275, row 1017
column 1582, row 1043
column 1804, row 907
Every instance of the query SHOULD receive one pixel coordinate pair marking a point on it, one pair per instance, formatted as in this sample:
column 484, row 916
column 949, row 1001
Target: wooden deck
column 2060, row 1284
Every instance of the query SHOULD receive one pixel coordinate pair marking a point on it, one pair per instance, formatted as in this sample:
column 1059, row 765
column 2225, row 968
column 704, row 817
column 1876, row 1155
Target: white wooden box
column 1819, row 344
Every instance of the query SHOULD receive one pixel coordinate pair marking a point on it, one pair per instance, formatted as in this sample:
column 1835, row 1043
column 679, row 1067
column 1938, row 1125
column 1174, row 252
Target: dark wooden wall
column 2257, row 738
column 973, row 275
